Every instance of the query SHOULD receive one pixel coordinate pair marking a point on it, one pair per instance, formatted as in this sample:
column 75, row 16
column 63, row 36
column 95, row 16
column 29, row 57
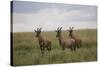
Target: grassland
column 26, row 48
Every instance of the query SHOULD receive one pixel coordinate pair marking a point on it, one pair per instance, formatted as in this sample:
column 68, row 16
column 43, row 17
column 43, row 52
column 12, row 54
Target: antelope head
column 70, row 29
column 38, row 32
column 58, row 31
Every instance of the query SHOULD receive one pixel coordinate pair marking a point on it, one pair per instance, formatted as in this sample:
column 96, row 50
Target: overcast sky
column 28, row 16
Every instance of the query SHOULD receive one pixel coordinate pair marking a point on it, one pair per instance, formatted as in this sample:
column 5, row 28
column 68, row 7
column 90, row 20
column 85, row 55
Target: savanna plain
column 26, row 49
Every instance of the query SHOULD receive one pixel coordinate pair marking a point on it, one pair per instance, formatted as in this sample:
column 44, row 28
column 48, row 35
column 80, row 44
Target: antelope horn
column 37, row 29
column 60, row 28
column 40, row 29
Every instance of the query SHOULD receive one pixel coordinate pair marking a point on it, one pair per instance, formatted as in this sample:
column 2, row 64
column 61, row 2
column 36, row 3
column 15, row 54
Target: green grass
column 26, row 48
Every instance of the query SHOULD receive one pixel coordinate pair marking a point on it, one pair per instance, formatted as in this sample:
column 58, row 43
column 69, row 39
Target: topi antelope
column 65, row 42
column 77, row 40
column 43, row 42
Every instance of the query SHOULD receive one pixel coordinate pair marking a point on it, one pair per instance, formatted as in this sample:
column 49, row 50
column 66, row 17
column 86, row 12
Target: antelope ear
column 72, row 27
column 60, row 28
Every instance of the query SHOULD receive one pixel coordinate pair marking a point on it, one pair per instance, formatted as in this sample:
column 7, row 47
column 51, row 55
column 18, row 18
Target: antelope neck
column 60, row 38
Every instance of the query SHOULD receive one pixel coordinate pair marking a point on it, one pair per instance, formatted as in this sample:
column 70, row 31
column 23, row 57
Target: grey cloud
column 56, row 15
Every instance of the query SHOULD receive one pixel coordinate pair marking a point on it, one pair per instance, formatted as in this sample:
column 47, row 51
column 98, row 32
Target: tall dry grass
column 26, row 49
